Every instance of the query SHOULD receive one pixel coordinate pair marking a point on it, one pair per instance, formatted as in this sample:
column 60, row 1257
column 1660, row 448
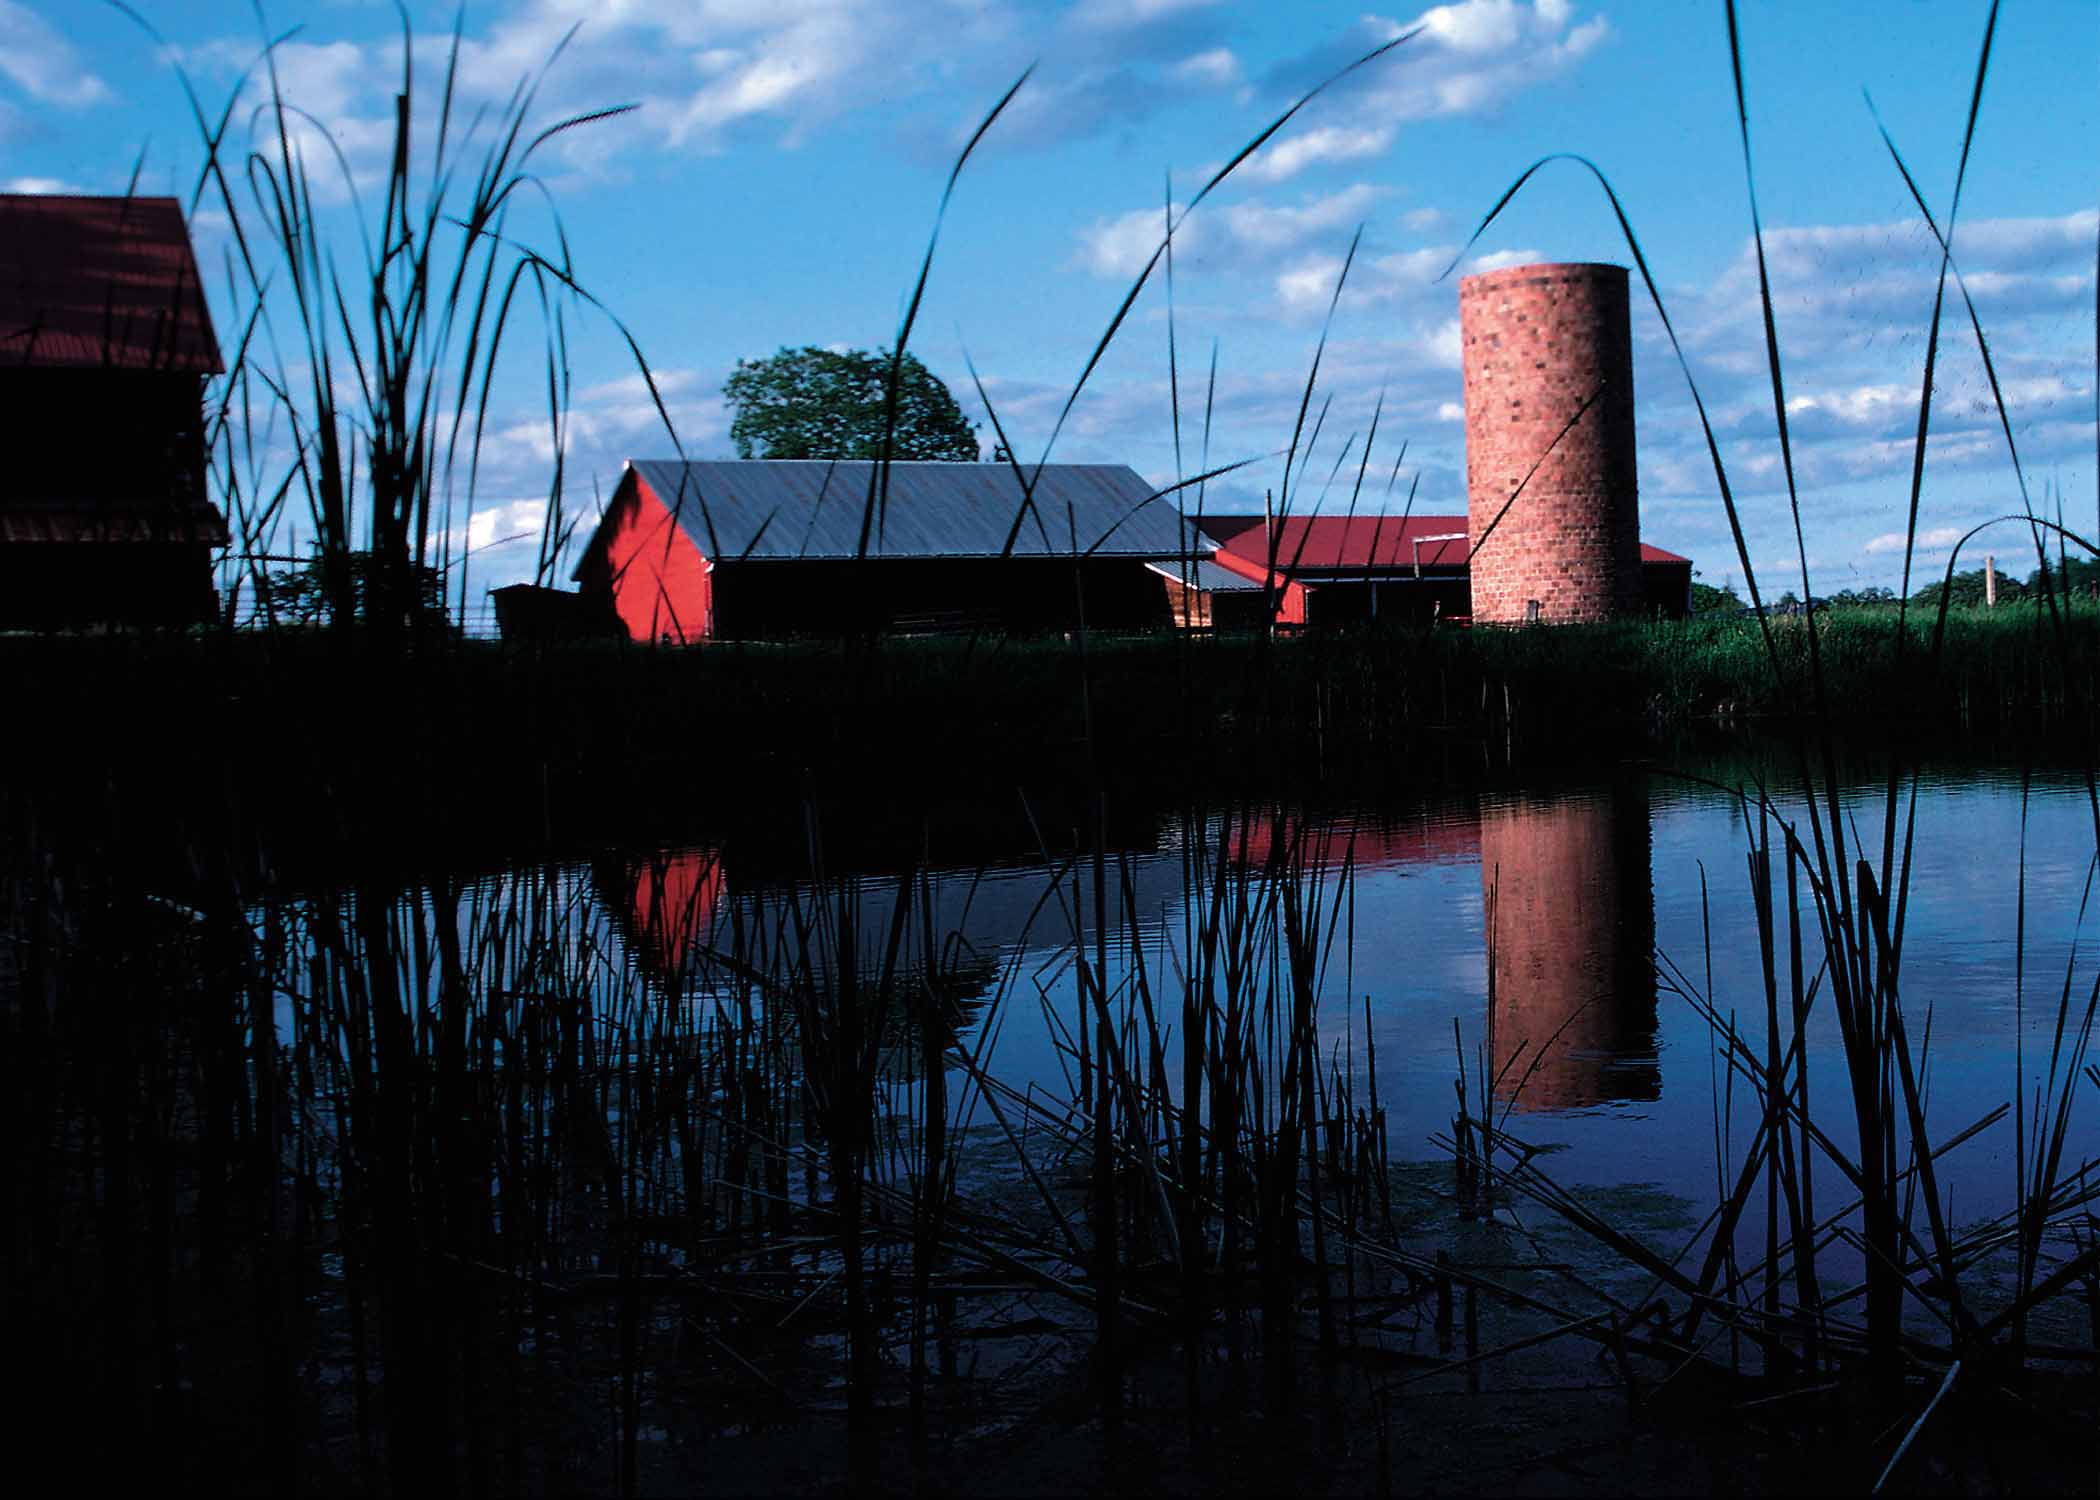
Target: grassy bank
column 293, row 712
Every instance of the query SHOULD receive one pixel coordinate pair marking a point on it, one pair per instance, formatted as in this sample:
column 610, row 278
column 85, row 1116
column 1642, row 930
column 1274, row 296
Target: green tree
column 413, row 591
column 1863, row 598
column 1708, row 600
column 1967, row 590
column 2075, row 575
column 817, row 403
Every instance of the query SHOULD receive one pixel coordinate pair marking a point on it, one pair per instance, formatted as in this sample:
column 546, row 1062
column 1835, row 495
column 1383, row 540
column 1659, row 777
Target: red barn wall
column 658, row 581
column 1539, row 341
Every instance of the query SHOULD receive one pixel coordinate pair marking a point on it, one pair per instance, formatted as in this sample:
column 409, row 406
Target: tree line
column 2079, row 577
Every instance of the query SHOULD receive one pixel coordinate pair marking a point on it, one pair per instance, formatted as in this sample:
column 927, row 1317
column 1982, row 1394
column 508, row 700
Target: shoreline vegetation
column 331, row 746
column 1619, row 684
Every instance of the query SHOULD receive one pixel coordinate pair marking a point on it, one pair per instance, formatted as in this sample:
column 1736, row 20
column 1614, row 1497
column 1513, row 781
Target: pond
column 640, row 1139
column 1611, row 900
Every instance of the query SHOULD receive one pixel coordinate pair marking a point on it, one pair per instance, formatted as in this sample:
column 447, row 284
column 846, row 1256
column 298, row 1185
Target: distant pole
column 1990, row 581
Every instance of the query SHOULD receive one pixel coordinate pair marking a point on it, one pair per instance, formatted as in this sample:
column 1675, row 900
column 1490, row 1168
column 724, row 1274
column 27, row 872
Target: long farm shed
column 777, row 548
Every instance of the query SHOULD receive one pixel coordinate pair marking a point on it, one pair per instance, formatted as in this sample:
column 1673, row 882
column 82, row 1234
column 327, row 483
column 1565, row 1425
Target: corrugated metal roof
column 1321, row 543
column 1344, row 543
column 1202, row 573
column 90, row 283
column 813, row 508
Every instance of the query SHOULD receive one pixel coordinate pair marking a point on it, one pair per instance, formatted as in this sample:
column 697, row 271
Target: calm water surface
column 1595, row 883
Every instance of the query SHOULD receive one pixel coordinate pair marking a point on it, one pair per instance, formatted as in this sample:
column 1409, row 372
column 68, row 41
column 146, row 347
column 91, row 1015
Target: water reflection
column 675, row 904
column 1568, row 928
column 1571, row 941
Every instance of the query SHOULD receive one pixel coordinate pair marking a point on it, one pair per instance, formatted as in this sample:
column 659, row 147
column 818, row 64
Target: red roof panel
column 93, row 283
column 1350, row 543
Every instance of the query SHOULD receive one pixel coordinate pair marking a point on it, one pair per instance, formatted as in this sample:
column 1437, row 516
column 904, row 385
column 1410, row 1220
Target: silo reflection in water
column 1573, row 901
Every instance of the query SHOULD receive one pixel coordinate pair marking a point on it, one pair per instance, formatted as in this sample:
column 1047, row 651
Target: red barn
column 105, row 347
column 768, row 549
column 1351, row 569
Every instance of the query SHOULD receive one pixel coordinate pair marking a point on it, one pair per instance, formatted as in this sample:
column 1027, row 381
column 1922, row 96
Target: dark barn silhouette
column 105, row 347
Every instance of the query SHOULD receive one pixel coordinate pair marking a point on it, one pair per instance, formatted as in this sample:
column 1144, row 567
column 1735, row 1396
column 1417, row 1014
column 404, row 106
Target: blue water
column 1598, row 883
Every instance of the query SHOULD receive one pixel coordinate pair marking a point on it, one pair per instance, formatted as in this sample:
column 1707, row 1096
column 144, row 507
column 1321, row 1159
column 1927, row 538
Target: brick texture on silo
column 1539, row 342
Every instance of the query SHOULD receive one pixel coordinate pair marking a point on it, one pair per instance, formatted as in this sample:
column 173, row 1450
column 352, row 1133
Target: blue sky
column 778, row 179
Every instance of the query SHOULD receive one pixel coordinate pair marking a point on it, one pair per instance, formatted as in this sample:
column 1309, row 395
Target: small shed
column 1666, row 584
column 105, row 348
column 1203, row 594
column 770, row 549
column 535, row 613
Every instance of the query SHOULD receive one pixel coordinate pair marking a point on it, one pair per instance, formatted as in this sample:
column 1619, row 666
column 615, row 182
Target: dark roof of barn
column 96, row 283
column 63, row 521
column 772, row 509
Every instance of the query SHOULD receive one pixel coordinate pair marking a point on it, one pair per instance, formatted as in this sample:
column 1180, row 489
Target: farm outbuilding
column 768, row 549
column 105, row 346
column 1408, row 569
column 1204, row 594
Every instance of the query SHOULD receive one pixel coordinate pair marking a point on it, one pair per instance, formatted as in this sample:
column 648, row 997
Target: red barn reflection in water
column 1572, row 906
column 673, row 899
column 1431, row 836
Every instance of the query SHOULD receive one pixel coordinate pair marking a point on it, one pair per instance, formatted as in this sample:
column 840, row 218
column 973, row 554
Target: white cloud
column 1422, row 220
column 1217, row 67
column 1118, row 14
column 504, row 523
column 1310, row 283
column 697, row 69
column 38, row 185
column 1120, row 247
column 42, row 63
column 1329, row 143
column 1937, row 541
column 1444, row 346
column 1864, row 404
column 1240, row 235
column 1499, row 260
column 1468, row 58
column 1263, row 227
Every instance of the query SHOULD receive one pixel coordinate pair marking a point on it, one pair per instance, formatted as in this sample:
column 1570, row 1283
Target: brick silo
column 1540, row 342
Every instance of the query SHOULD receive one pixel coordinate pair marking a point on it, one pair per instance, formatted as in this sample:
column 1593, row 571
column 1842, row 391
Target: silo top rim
column 1571, row 270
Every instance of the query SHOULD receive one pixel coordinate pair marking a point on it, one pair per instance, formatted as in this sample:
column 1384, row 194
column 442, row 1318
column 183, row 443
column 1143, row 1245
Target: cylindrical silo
column 1552, row 504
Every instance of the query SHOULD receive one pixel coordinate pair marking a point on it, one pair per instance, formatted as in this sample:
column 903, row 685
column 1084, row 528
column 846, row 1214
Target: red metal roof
column 92, row 283
column 1306, row 544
